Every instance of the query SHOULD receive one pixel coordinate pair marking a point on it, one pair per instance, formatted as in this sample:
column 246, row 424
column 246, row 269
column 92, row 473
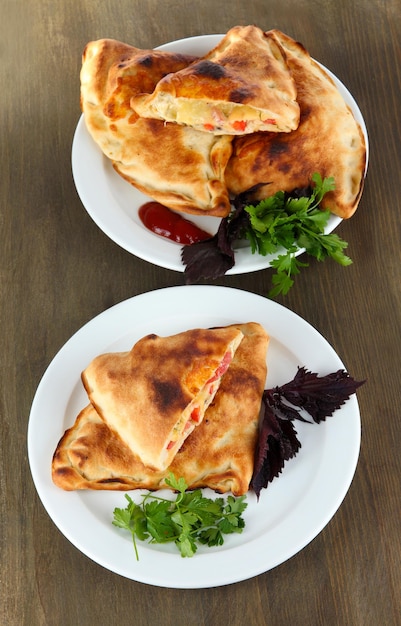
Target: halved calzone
column 179, row 167
column 218, row 454
column 328, row 140
column 241, row 86
column 156, row 394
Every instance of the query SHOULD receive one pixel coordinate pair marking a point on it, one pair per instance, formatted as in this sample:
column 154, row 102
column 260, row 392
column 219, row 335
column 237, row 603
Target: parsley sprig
column 187, row 521
column 294, row 223
column 286, row 222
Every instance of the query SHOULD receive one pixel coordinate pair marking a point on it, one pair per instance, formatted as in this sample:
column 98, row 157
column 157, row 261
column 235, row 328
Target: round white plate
column 113, row 203
column 291, row 511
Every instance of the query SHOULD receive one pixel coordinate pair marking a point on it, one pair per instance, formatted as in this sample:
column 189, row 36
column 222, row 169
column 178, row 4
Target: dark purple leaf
column 320, row 396
column 205, row 259
column 212, row 258
column 282, row 410
column 277, row 443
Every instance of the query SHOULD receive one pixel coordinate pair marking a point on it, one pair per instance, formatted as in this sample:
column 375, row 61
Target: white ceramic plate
column 291, row 511
column 113, row 203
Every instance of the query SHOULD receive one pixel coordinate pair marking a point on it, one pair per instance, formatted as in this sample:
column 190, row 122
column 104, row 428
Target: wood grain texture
column 58, row 270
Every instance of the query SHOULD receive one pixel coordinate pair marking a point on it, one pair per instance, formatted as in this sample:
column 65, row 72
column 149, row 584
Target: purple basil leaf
column 204, row 259
column 277, row 443
column 212, row 258
column 243, row 199
column 320, row 396
column 283, row 410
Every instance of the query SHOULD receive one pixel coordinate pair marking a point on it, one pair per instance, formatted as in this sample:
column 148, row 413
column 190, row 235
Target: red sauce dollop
column 162, row 221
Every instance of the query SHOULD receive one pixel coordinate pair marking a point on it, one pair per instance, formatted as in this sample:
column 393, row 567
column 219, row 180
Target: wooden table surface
column 58, row 271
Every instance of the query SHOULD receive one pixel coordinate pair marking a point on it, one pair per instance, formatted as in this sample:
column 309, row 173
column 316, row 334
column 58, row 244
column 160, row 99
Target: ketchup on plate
column 162, row 221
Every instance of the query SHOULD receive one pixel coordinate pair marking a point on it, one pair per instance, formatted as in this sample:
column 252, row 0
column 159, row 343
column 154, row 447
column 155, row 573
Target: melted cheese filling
column 195, row 411
column 197, row 408
column 228, row 117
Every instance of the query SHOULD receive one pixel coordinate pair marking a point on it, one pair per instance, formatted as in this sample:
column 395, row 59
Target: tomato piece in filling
column 195, row 415
column 223, row 367
column 239, row 125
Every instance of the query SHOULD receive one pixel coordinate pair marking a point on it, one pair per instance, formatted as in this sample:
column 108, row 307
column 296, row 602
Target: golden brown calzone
column 328, row 140
column 241, row 86
column 218, row 454
column 154, row 395
column 179, row 167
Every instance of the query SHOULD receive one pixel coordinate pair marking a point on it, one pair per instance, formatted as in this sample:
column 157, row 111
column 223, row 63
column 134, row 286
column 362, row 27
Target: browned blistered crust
column 219, row 453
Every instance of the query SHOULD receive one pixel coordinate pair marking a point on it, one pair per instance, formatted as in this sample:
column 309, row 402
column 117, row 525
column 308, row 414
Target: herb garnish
column 188, row 520
column 193, row 519
column 290, row 221
column 317, row 396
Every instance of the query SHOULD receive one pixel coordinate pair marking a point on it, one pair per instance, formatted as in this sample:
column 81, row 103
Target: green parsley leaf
column 133, row 519
column 211, row 537
column 283, row 221
column 280, row 225
column 187, row 521
column 179, row 485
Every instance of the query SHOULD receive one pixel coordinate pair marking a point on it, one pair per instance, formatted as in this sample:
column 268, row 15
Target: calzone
column 241, row 86
column 218, row 454
column 156, row 394
column 328, row 140
column 179, row 167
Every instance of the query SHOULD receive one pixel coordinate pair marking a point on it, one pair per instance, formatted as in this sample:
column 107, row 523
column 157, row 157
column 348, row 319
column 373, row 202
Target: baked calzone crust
column 154, row 395
column 218, row 454
column 241, row 86
column 178, row 166
column 328, row 140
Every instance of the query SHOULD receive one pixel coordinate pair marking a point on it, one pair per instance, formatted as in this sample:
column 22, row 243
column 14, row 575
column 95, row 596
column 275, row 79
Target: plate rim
column 221, row 576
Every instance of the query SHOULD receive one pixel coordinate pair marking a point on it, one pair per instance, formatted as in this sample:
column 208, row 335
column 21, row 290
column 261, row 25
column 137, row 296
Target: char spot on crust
column 64, row 472
column 209, row 69
column 154, row 127
column 151, row 337
column 240, row 94
column 166, row 394
column 306, row 113
column 243, row 381
column 146, row 61
column 273, row 154
column 278, row 149
column 285, row 168
column 124, row 61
